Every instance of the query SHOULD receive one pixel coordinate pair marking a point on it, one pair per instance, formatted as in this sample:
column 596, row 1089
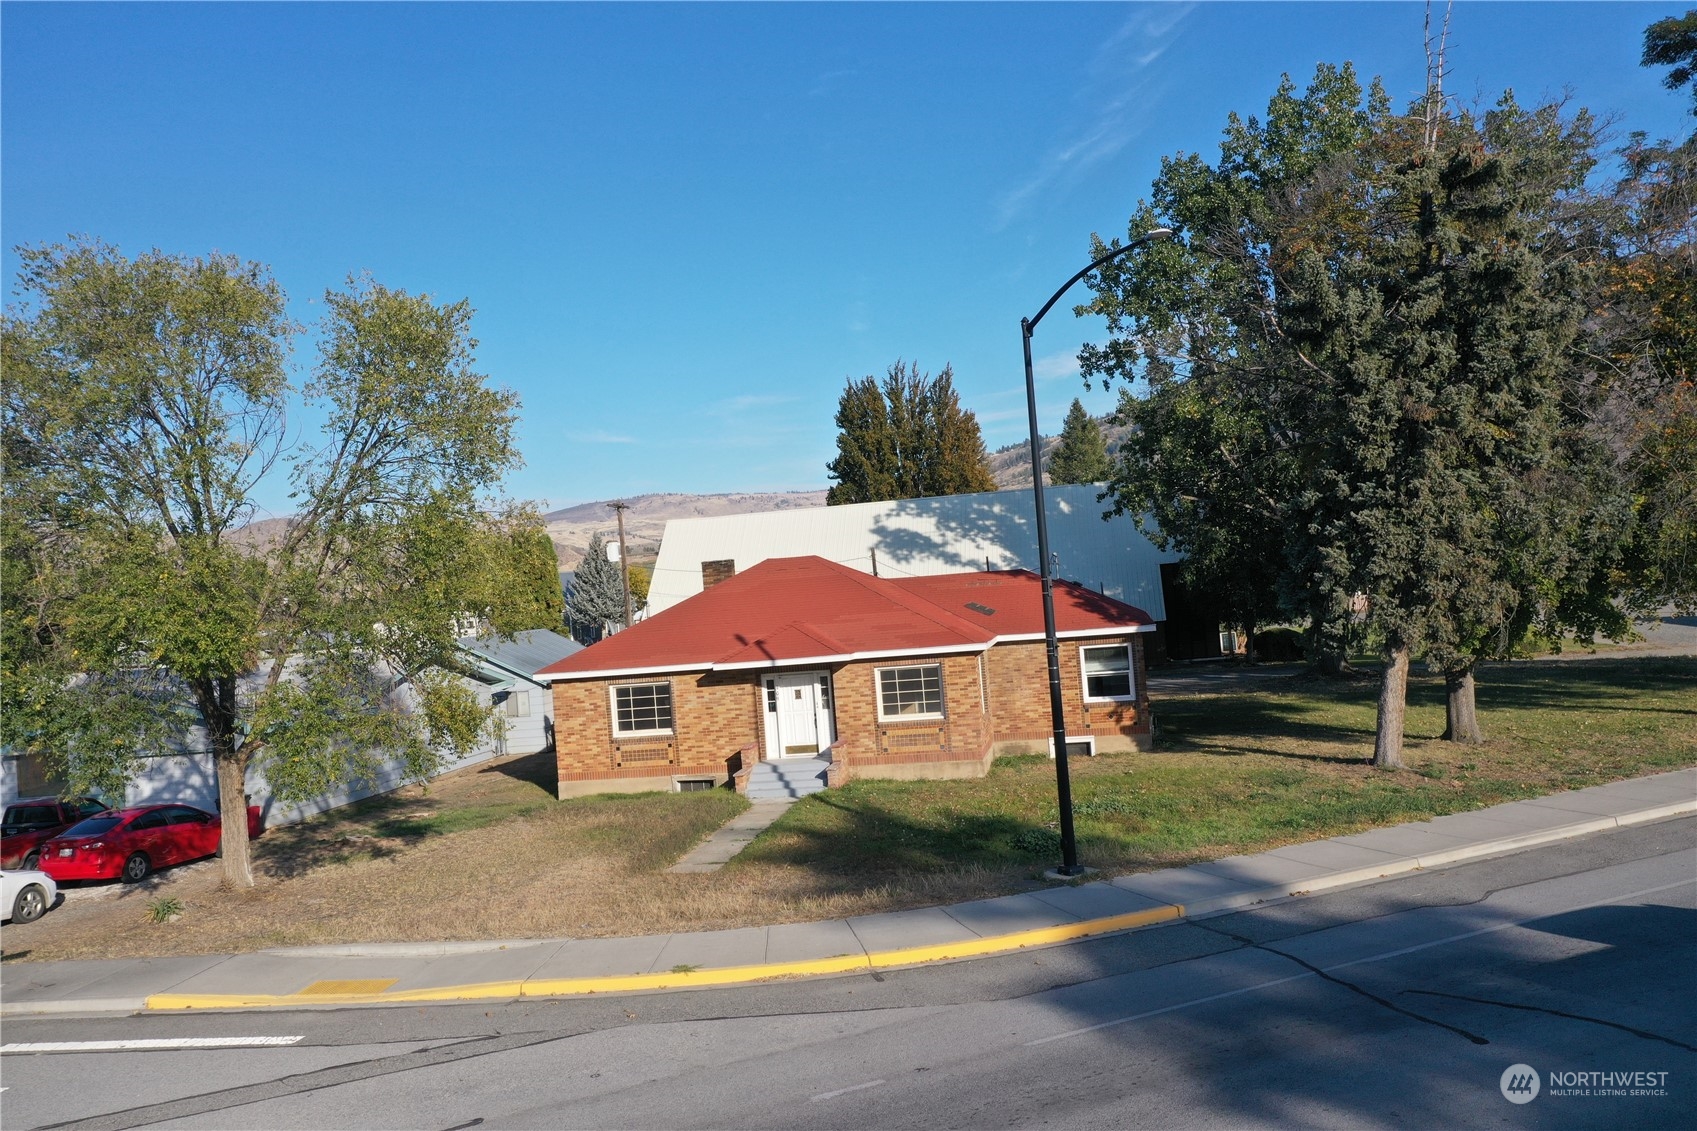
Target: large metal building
column 921, row 537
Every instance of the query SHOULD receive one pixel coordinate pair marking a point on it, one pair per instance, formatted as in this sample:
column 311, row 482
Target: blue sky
column 684, row 226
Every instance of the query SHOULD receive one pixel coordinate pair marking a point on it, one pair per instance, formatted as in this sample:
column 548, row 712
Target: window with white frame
column 912, row 692
column 642, row 709
column 518, row 704
column 1107, row 673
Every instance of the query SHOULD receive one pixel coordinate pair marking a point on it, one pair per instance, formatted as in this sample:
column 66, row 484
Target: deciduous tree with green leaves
column 1215, row 447
column 1081, row 453
column 1673, row 43
column 144, row 408
column 906, row 438
column 1378, row 310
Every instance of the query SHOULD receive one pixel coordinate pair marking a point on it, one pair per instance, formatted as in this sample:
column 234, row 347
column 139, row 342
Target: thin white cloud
column 825, row 82
column 737, row 406
column 859, row 320
column 1122, row 95
column 1055, row 365
column 599, row 438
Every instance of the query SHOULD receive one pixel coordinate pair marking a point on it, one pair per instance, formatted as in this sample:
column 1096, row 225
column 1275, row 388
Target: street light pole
column 619, row 508
column 1057, row 709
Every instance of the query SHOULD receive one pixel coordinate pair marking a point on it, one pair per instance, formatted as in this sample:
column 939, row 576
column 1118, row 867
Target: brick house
column 913, row 677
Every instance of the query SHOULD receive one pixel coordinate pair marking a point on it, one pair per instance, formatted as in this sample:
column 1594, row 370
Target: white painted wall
column 189, row 776
column 921, row 537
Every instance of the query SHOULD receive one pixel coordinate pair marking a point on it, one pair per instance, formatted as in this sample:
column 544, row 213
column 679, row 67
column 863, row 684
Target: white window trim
column 613, row 709
column 1088, row 740
column 878, row 695
column 1130, row 671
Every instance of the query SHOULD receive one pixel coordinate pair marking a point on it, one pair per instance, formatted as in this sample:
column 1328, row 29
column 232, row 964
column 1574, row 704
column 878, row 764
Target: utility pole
column 619, row 509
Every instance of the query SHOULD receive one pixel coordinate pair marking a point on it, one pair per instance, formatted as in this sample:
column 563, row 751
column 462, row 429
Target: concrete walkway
column 441, row 972
column 732, row 837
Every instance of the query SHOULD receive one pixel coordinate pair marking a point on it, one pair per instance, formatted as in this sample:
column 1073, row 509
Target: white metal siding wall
column 921, row 537
column 190, row 777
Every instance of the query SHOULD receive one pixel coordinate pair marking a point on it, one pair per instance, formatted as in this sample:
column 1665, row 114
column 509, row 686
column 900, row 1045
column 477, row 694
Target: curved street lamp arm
column 1030, row 324
column 1051, row 646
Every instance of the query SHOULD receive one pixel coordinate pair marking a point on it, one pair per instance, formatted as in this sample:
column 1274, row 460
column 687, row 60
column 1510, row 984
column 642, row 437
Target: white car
column 26, row 896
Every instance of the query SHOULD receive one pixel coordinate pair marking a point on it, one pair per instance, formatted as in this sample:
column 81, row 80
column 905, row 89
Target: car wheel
column 136, row 868
column 30, row 905
column 31, row 861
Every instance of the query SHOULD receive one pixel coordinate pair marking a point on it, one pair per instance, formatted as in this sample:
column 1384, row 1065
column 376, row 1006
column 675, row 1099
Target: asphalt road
column 1402, row 1003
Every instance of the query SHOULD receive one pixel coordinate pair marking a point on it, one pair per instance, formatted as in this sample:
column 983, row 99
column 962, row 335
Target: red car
column 30, row 820
column 130, row 843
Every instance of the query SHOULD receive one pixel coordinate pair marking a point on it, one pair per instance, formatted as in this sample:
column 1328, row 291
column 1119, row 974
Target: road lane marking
column 1169, row 1009
column 1504, row 926
column 1389, row 954
column 844, row 1091
column 152, row 1043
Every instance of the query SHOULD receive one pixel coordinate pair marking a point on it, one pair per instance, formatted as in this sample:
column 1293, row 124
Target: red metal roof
column 791, row 610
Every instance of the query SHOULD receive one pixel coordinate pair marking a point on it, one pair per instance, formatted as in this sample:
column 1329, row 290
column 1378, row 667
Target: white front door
column 798, row 720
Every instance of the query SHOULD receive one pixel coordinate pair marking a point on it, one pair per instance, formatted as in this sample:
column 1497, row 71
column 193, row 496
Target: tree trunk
column 216, row 697
column 1461, row 718
column 1334, row 664
column 232, row 805
column 1249, row 656
column 1393, row 708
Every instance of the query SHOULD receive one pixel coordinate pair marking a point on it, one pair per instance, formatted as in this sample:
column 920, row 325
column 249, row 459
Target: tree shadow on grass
column 1606, row 684
column 1232, row 728
column 1230, row 724
column 867, row 844
column 541, row 769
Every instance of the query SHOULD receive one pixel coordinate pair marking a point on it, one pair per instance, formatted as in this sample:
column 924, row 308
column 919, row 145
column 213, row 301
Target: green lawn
column 1251, row 770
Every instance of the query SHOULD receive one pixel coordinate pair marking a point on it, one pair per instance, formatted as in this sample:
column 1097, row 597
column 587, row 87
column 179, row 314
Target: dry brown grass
column 386, row 872
column 489, row 854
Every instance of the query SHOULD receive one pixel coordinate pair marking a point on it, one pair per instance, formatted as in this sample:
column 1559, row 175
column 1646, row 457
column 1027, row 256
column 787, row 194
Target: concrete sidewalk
column 443, row 972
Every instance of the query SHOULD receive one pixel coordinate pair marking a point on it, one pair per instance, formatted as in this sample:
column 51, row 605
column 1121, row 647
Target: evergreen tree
column 906, row 438
column 1081, row 454
column 866, row 464
column 597, row 602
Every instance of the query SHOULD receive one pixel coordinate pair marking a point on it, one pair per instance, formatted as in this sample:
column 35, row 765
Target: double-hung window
column 642, row 709
column 911, row 692
column 1107, row 673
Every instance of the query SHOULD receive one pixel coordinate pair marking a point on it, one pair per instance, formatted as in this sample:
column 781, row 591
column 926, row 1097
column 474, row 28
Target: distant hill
column 646, row 517
column 1011, row 465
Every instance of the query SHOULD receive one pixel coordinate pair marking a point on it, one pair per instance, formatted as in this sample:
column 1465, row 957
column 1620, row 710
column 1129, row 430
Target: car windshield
column 94, row 826
column 28, row 816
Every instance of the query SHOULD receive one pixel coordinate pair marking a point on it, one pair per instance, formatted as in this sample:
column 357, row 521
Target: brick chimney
column 714, row 572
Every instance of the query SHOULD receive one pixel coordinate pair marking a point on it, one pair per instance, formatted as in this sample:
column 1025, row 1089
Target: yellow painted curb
column 681, row 979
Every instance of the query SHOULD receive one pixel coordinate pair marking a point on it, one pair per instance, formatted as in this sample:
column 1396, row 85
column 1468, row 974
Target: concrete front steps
column 788, row 780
